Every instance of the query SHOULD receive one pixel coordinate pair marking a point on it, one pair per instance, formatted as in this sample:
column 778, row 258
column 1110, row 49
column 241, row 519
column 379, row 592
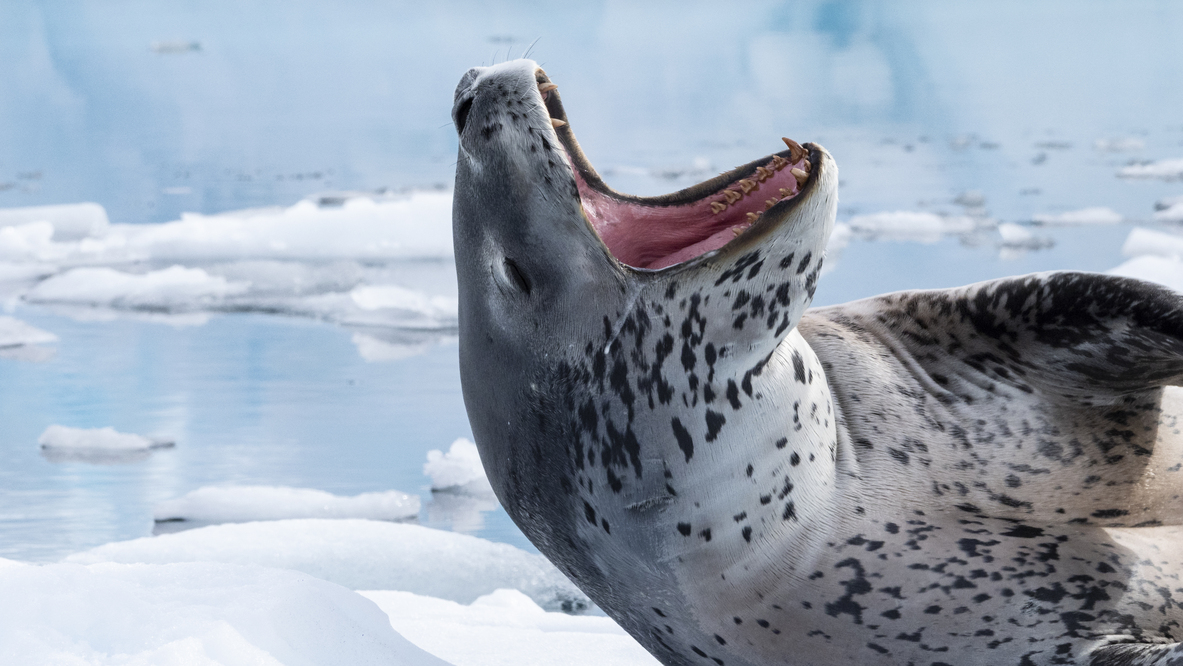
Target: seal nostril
column 460, row 115
column 516, row 276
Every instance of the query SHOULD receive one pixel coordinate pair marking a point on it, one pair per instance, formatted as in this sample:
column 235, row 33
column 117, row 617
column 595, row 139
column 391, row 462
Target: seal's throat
column 656, row 232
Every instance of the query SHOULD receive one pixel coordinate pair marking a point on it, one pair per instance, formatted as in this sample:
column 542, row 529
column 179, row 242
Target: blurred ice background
column 226, row 225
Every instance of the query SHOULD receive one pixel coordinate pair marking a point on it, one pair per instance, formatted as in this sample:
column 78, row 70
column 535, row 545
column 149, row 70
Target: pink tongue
column 715, row 242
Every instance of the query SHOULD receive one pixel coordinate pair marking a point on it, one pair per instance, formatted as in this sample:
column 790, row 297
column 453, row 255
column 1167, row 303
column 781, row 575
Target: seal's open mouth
column 656, row 232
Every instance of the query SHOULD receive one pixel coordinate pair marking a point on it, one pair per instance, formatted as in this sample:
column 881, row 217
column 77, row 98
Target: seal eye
column 516, row 276
column 460, row 115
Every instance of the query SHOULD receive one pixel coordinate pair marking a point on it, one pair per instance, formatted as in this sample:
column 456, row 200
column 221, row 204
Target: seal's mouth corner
column 658, row 232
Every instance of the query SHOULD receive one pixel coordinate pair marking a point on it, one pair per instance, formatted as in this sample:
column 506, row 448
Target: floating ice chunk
column 459, row 469
column 15, row 333
column 394, row 297
column 1163, row 169
column 237, row 504
column 839, row 238
column 1013, row 234
column 1142, row 241
column 911, row 226
column 1167, row 271
column 506, row 628
column 30, row 242
column 1167, row 202
column 1169, row 210
column 1119, row 145
column 362, row 555
column 106, row 439
column 1095, row 215
column 417, row 225
column 69, row 222
column 173, row 288
column 194, row 613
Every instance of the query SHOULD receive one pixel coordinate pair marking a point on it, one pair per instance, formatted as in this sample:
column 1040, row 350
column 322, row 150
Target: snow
column 361, row 555
column 1171, row 169
column 235, row 504
column 15, row 333
column 105, row 439
column 911, row 225
column 459, row 469
column 506, row 628
column 194, row 613
column 1095, row 215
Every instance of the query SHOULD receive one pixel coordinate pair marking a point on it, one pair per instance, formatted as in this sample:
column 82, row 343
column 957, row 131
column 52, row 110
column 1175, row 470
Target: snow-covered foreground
column 284, row 592
column 196, row 613
column 506, row 628
column 361, row 555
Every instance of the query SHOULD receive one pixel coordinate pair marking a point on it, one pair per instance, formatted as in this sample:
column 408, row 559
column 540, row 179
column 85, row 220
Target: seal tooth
column 770, row 203
column 718, row 207
column 746, row 185
column 737, row 230
column 800, row 175
column 796, row 152
column 808, row 166
column 785, row 192
column 546, row 87
column 752, row 217
column 779, row 162
column 732, row 196
column 763, row 174
column 556, row 123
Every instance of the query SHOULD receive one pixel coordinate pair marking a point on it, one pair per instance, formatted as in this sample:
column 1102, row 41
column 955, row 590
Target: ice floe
column 175, row 288
column 1094, row 215
column 506, row 628
column 237, row 504
column 1155, row 256
column 1169, row 209
column 367, row 261
column 459, row 469
column 70, row 222
column 460, row 491
column 15, row 333
column 1171, row 169
column 191, row 613
column 361, row 555
column 1119, row 145
column 922, row 227
column 97, row 445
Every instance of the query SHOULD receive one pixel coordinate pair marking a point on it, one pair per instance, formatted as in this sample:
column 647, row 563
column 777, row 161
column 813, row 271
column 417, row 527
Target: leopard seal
column 981, row 475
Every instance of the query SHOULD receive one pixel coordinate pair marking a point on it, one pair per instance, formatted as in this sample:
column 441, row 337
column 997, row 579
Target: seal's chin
column 657, row 232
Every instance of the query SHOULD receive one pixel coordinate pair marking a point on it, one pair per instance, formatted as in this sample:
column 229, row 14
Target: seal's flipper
column 1037, row 397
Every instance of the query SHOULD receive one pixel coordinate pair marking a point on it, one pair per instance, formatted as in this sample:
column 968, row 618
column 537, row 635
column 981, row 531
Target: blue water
column 152, row 109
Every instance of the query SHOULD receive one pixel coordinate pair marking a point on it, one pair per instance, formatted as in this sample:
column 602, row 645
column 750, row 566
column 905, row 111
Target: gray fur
column 982, row 475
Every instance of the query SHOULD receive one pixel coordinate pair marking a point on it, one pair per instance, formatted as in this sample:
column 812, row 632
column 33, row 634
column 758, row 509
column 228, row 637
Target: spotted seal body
column 982, row 475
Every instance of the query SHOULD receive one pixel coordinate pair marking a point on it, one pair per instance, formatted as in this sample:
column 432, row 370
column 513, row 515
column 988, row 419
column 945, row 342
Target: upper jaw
column 729, row 213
